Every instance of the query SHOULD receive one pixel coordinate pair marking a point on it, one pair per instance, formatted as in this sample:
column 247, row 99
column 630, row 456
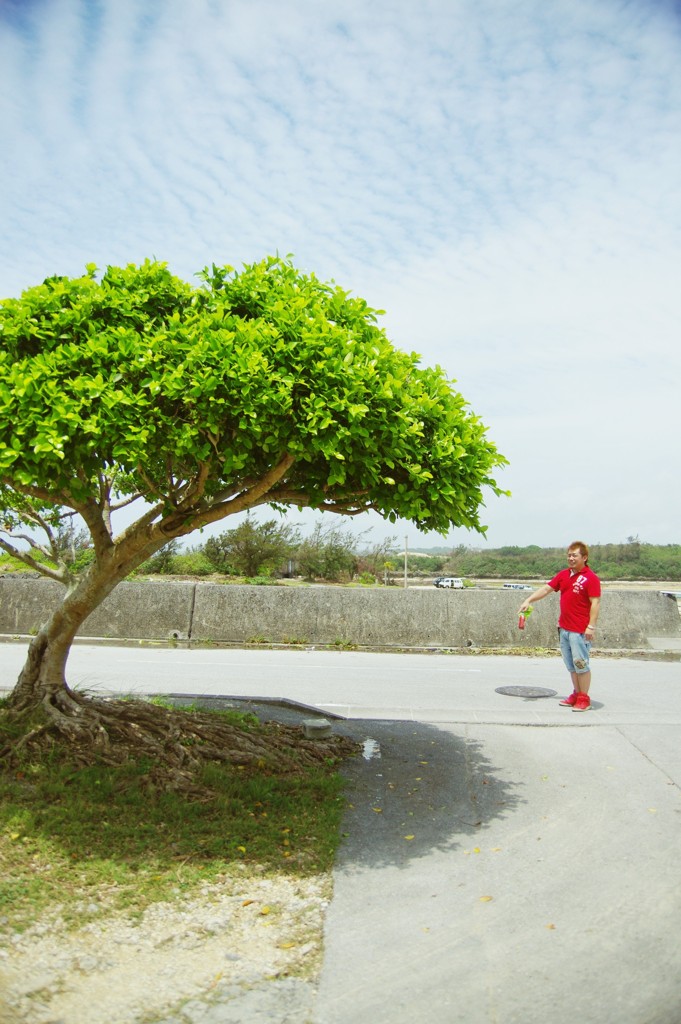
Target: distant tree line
column 273, row 550
column 633, row 560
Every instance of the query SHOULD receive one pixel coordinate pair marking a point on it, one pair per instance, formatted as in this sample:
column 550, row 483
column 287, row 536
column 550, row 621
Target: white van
column 455, row 582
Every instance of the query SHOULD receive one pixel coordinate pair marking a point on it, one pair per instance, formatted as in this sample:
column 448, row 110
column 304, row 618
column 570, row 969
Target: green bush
column 162, row 561
column 83, row 558
column 192, row 563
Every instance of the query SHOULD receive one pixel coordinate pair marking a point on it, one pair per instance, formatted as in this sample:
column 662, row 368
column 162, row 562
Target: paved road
column 505, row 860
column 415, row 687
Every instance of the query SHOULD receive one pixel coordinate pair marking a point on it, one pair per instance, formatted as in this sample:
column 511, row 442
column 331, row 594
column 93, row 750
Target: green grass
column 9, row 564
column 76, row 838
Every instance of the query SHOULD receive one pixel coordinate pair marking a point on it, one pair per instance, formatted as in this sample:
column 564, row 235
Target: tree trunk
column 43, row 675
column 176, row 743
column 42, row 680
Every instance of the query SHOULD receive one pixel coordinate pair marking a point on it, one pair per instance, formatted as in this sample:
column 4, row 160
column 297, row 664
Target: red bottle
column 521, row 621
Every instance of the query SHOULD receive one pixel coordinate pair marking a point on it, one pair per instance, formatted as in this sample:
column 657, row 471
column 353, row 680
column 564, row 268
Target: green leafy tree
column 70, row 541
column 192, row 403
column 378, row 559
column 328, row 553
column 163, row 562
column 252, row 549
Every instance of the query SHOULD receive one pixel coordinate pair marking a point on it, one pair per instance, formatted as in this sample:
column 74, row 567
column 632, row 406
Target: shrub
column 192, row 563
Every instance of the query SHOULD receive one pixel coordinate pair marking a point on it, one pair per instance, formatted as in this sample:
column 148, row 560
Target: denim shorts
column 575, row 649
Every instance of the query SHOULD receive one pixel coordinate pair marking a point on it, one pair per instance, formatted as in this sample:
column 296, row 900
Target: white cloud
column 502, row 179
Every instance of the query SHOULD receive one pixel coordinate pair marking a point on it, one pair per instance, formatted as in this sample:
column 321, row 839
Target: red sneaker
column 583, row 702
column 569, row 702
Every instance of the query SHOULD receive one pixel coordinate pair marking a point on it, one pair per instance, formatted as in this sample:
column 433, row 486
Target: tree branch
column 60, row 575
column 196, row 488
column 152, row 487
column 345, row 510
column 32, row 542
column 46, row 496
column 98, row 521
column 127, row 501
column 105, row 500
column 347, row 505
column 50, row 554
column 194, row 516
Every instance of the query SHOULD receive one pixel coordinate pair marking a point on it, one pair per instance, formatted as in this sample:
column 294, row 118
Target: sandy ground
column 119, row 970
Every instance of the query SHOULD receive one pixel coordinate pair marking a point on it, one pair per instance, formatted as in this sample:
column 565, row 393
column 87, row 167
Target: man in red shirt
column 580, row 599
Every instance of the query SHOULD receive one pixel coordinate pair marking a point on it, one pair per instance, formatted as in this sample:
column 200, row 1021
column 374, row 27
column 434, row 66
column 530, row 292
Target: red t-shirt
column 576, row 589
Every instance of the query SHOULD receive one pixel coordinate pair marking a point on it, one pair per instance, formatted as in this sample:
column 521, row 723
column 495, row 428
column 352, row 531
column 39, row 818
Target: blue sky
column 503, row 178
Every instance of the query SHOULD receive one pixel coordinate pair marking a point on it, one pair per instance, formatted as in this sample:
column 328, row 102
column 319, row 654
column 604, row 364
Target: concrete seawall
column 335, row 615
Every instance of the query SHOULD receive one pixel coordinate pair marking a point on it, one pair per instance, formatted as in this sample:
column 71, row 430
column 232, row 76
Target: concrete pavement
column 496, row 873
column 504, row 860
column 517, row 865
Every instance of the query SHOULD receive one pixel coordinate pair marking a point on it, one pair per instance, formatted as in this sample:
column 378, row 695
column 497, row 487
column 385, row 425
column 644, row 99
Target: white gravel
column 244, row 950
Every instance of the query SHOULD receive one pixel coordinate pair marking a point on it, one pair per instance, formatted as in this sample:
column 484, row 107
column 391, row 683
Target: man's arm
column 536, row 596
column 593, row 614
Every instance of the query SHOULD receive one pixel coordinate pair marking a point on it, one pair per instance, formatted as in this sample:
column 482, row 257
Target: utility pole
column 406, row 555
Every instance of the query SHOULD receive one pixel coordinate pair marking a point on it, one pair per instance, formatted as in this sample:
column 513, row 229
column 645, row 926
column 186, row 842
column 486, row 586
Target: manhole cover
column 525, row 691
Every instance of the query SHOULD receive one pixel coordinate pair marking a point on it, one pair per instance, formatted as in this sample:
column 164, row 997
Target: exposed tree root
column 175, row 743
